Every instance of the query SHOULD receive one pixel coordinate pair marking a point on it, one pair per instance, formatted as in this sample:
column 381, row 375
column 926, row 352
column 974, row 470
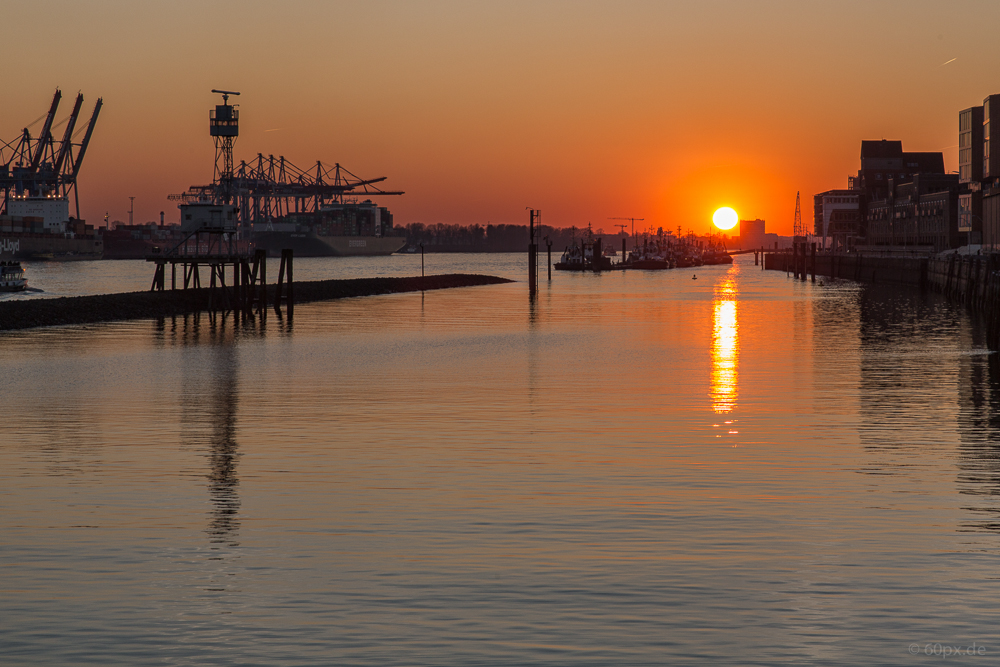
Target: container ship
column 336, row 230
column 41, row 228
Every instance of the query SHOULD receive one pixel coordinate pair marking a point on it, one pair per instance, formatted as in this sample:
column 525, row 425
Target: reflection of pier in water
column 223, row 481
column 209, row 406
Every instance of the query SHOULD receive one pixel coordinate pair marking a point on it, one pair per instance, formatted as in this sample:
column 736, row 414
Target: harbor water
column 715, row 465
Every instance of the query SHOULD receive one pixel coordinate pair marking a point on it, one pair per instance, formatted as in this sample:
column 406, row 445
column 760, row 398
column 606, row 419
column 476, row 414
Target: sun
column 725, row 218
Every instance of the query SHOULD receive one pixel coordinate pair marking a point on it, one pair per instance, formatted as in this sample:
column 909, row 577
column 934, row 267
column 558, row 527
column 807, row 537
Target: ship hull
column 50, row 247
column 313, row 245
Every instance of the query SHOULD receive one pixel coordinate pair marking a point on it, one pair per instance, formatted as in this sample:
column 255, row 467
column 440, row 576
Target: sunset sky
column 477, row 110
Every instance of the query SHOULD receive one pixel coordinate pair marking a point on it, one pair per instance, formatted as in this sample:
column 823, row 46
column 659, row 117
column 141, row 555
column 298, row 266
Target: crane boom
column 68, row 134
column 632, row 220
column 86, row 138
column 46, row 136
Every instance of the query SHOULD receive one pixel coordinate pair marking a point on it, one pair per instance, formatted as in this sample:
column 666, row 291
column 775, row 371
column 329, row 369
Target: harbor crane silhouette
column 632, row 220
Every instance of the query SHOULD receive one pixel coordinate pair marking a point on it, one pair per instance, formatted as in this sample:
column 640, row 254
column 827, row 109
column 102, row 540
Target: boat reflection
column 725, row 349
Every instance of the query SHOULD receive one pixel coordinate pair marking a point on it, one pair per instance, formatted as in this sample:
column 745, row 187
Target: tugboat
column 572, row 259
column 655, row 256
column 586, row 256
column 716, row 254
column 12, row 277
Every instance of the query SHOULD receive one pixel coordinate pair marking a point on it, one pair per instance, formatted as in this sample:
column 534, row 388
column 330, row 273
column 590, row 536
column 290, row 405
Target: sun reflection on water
column 725, row 349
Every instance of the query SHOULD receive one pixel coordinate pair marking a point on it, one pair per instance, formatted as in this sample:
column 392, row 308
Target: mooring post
column 281, row 280
column 291, row 283
column 814, row 261
column 249, row 285
column 237, row 286
column 262, row 259
column 548, row 243
column 532, row 254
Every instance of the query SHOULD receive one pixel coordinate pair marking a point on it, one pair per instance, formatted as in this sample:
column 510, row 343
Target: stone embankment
column 970, row 279
column 28, row 313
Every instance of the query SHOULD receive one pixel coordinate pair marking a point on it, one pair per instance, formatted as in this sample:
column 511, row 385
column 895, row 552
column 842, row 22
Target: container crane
column 40, row 167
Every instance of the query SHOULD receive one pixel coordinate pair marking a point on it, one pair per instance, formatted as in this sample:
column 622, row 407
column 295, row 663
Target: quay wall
column 970, row 279
column 29, row 313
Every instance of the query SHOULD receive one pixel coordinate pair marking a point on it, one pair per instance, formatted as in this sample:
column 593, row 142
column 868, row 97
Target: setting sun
column 725, row 218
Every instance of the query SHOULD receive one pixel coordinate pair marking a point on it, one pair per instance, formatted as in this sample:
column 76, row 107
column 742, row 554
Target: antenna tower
column 798, row 229
column 224, row 126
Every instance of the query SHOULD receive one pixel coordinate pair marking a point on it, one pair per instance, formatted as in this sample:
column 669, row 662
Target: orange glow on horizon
column 442, row 115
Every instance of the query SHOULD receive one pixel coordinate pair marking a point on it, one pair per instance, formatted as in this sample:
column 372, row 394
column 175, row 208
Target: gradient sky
column 477, row 110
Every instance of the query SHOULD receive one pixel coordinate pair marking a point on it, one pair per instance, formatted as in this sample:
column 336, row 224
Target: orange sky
column 584, row 109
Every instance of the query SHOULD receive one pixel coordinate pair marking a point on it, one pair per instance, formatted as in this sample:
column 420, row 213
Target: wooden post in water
column 814, row 261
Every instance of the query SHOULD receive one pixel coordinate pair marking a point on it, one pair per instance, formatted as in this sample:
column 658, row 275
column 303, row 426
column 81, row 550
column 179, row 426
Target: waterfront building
column 989, row 189
column 752, row 234
column 918, row 214
column 837, row 216
column 884, row 161
column 898, row 198
column 970, row 174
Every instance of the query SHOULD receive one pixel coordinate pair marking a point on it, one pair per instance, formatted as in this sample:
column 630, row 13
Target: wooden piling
column 813, row 260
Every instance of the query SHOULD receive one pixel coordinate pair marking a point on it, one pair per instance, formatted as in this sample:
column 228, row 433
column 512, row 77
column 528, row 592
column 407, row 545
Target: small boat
column 12, row 277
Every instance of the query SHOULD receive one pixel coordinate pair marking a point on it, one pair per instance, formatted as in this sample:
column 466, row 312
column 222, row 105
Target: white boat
column 12, row 277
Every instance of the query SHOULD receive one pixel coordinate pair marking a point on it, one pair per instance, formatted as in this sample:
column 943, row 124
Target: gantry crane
column 31, row 167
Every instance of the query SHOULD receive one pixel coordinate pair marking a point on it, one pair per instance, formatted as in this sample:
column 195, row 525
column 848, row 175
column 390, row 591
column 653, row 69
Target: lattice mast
column 224, row 126
column 798, row 229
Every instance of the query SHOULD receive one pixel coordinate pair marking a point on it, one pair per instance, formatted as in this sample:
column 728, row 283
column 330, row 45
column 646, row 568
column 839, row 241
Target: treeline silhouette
column 494, row 238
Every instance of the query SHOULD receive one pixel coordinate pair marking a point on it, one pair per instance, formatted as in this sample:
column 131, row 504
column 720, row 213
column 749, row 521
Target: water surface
column 637, row 468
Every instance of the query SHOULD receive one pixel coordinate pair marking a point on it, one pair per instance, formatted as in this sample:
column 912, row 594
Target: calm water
column 639, row 468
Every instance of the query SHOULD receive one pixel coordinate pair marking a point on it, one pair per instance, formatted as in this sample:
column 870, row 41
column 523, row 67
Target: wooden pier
column 245, row 292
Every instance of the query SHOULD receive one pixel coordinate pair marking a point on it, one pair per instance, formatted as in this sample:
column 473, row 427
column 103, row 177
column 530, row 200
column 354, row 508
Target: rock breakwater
column 29, row 313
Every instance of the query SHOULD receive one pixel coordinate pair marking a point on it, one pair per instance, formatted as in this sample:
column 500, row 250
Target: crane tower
column 797, row 229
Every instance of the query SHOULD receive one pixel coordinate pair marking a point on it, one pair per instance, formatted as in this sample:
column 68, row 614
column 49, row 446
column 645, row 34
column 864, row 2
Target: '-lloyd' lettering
column 7, row 245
